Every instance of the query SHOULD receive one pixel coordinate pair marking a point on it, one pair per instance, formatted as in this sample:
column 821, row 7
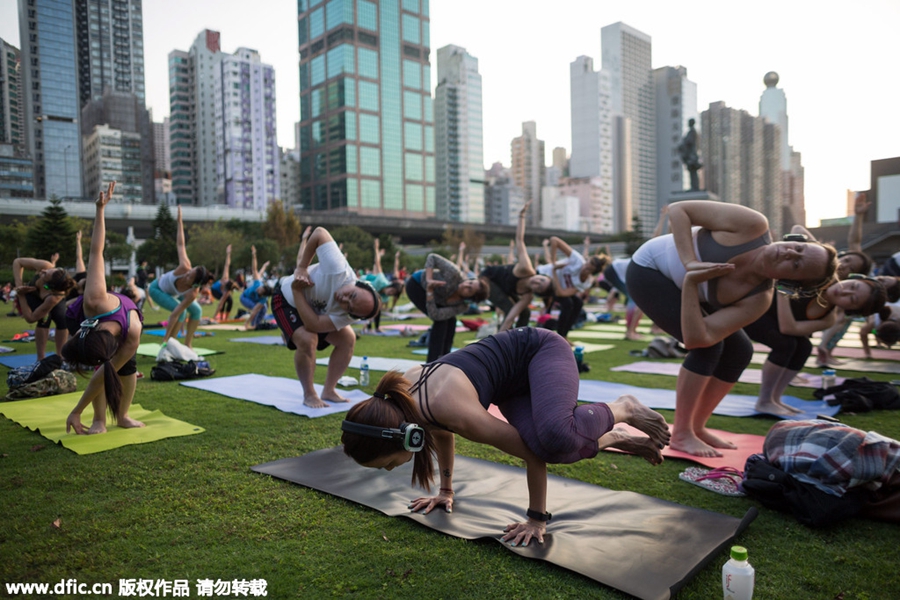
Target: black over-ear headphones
column 376, row 301
column 794, row 237
column 863, row 277
column 410, row 435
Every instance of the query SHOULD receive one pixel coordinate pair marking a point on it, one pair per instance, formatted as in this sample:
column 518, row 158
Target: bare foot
column 314, row 401
column 128, row 422
column 714, row 440
column 776, row 408
column 97, row 427
column 633, row 444
column 649, row 421
column 333, row 397
column 691, row 444
column 634, row 337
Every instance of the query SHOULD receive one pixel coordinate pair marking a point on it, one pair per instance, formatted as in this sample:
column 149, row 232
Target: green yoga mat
column 47, row 416
column 151, row 349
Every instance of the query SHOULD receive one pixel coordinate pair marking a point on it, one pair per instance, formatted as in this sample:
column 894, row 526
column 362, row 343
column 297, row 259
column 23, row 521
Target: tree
column 359, row 246
column 12, row 242
column 635, row 237
column 52, row 232
column 281, row 226
column 160, row 250
column 206, row 245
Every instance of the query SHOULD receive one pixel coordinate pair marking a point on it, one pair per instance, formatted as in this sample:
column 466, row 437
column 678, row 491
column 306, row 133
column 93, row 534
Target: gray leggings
column 660, row 299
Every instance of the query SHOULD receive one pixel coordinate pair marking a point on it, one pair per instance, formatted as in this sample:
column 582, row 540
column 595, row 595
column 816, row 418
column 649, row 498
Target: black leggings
column 440, row 339
column 502, row 301
column 788, row 351
column 569, row 311
column 660, row 299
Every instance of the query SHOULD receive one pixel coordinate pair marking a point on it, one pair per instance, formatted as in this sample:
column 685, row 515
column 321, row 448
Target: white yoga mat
column 284, row 394
column 378, row 363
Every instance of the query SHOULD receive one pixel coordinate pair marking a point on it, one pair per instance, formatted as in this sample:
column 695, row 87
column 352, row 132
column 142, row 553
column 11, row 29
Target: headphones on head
column 794, row 237
column 863, row 277
column 410, row 435
column 375, row 299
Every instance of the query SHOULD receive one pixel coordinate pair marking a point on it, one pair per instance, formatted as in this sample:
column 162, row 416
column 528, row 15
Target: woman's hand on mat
column 427, row 504
column 520, row 534
column 73, row 421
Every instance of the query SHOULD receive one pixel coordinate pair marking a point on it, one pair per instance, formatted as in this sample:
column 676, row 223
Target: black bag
column 861, row 394
column 177, row 370
column 781, row 491
column 20, row 376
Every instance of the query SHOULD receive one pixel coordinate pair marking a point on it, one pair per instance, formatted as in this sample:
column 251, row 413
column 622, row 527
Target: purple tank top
column 75, row 312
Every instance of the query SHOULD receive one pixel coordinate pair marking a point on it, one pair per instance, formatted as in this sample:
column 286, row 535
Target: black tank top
column 713, row 251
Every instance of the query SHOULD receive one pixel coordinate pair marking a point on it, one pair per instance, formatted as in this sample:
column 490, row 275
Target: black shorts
column 289, row 321
column 57, row 314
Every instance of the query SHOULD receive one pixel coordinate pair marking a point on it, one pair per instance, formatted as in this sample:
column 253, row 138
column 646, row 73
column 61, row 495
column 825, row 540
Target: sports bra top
column 712, row 251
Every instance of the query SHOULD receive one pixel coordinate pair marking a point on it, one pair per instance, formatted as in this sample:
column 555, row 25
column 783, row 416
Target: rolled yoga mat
column 643, row 546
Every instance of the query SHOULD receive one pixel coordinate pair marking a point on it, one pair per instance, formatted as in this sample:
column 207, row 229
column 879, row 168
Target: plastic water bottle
column 738, row 576
column 829, row 377
column 364, row 372
column 579, row 355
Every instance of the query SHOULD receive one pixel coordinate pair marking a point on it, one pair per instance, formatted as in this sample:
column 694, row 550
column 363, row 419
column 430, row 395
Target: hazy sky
column 836, row 61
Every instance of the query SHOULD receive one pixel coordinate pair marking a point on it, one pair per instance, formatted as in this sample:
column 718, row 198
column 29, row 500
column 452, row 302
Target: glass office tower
column 49, row 65
column 366, row 128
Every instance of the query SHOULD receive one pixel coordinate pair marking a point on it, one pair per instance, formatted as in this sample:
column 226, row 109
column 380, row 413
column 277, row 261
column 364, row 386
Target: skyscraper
column 773, row 108
column 162, row 153
column 247, row 162
column 676, row 104
column 192, row 127
column 592, row 143
column 366, row 115
column 626, row 56
column 528, row 169
column 110, row 47
column 459, row 148
column 47, row 34
column 741, row 160
column 12, row 104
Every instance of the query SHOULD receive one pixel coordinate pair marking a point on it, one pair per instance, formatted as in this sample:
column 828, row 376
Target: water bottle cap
column 365, row 358
column 738, row 553
column 828, row 372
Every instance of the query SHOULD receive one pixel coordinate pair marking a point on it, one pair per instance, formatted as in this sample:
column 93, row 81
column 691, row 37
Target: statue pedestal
column 692, row 195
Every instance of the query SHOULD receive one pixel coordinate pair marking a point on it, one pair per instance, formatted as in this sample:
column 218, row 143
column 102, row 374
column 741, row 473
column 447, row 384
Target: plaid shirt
column 830, row 456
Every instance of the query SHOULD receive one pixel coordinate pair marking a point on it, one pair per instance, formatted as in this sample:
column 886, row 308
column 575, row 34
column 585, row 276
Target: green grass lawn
column 190, row 508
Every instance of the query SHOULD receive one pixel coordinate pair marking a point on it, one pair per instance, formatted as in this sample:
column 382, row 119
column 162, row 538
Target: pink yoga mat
column 840, row 351
column 746, row 443
column 418, row 328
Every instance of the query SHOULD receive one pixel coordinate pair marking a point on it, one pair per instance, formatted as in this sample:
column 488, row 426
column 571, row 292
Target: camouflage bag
column 57, row 382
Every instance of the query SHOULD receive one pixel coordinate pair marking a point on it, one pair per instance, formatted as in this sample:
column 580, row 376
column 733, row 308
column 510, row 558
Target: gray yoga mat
column 643, row 546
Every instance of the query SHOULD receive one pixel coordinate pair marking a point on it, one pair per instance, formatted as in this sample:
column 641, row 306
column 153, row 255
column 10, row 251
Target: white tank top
column 167, row 283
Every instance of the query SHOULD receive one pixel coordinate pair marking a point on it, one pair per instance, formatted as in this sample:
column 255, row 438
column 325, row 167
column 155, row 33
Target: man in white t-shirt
column 314, row 309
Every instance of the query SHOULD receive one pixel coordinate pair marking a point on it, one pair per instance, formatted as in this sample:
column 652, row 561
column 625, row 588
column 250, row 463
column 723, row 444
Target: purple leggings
column 545, row 410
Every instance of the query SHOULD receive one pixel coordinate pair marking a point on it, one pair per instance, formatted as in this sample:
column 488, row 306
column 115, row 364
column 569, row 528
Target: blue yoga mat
column 19, row 360
column 733, row 405
column 162, row 332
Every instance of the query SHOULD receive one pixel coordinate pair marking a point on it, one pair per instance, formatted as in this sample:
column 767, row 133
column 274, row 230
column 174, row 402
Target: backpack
column 664, row 347
column 861, row 394
column 781, row 491
column 177, row 370
column 30, row 373
column 55, row 382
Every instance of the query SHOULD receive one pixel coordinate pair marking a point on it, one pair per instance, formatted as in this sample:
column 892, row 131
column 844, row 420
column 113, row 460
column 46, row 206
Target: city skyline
column 830, row 65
